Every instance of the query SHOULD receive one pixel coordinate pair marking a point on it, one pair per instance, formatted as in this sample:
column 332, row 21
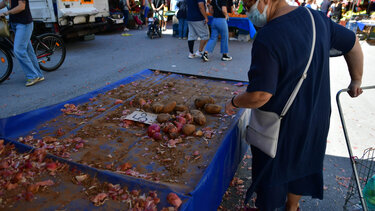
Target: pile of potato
column 175, row 119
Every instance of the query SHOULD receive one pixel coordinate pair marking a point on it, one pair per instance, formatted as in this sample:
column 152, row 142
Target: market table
column 239, row 22
column 206, row 183
column 361, row 24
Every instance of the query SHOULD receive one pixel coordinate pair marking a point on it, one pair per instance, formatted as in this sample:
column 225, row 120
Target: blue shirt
column 279, row 56
column 193, row 12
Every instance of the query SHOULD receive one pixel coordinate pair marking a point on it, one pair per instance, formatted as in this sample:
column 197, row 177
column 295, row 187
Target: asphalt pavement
column 110, row 56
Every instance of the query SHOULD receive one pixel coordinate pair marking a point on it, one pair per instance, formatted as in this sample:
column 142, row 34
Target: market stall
column 116, row 154
column 239, row 21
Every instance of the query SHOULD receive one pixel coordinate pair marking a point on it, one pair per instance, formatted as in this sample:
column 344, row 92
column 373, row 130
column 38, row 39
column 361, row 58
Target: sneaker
column 31, row 82
column 179, row 38
column 126, row 29
column 198, row 54
column 205, row 57
column 226, row 57
column 184, row 38
column 192, row 56
column 41, row 78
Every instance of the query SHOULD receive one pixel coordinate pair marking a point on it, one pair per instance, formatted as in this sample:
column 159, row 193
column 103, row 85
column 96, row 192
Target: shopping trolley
column 363, row 168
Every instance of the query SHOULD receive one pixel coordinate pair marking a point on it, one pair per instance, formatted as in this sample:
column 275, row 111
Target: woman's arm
column 225, row 12
column 354, row 60
column 21, row 7
column 202, row 9
column 247, row 100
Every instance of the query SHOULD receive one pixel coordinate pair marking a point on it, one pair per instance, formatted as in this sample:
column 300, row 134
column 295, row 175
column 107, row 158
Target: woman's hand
column 229, row 108
column 355, row 88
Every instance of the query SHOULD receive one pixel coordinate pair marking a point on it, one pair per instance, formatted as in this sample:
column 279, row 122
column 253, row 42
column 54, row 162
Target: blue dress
column 279, row 56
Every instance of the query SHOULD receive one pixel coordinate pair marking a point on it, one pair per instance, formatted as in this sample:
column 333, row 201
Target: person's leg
column 204, row 34
column 21, row 42
column 292, row 202
column 191, row 46
column 222, row 27
column 126, row 18
column 180, row 28
column 214, row 36
column 32, row 55
column 311, row 185
column 192, row 36
column 185, row 29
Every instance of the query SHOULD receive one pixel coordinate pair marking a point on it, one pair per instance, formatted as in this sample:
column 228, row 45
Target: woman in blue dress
column 280, row 53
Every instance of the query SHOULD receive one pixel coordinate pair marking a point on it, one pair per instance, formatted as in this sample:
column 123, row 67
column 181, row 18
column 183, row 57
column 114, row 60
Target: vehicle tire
column 50, row 52
column 6, row 64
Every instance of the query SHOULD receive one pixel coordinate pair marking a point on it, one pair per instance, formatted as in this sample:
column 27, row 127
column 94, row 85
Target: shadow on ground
column 337, row 177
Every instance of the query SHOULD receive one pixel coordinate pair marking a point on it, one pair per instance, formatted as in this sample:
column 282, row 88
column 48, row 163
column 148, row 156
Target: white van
column 71, row 18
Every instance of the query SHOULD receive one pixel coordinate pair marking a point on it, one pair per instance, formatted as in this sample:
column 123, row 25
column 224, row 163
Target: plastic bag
column 369, row 193
column 4, row 27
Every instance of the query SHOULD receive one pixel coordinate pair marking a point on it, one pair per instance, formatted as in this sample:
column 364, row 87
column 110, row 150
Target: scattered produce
column 198, row 117
column 174, row 200
column 181, row 107
column 201, row 101
column 212, row 108
column 161, row 118
column 188, row 129
column 153, row 129
column 198, row 133
column 169, row 107
column 141, row 102
column 118, row 101
column 157, row 107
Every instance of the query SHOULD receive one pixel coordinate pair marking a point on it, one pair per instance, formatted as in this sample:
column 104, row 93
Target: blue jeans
column 126, row 16
column 218, row 26
column 182, row 28
column 23, row 50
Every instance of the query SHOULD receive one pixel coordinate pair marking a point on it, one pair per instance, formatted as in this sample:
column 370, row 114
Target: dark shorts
column 270, row 198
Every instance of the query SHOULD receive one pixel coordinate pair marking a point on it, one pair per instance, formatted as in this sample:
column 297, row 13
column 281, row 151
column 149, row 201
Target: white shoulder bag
column 263, row 129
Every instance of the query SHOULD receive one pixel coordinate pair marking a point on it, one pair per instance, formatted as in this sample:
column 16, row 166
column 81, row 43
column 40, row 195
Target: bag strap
column 304, row 75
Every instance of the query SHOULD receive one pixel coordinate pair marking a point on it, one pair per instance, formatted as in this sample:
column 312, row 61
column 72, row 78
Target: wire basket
column 365, row 169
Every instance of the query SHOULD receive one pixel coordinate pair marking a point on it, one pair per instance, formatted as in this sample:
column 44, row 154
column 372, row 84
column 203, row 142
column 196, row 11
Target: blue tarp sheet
column 206, row 195
column 361, row 25
column 241, row 23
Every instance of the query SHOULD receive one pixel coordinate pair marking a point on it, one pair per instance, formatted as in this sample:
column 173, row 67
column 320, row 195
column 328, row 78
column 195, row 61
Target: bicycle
column 49, row 49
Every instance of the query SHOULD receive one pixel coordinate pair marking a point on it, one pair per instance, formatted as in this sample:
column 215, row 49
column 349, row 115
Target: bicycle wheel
column 50, row 51
column 6, row 64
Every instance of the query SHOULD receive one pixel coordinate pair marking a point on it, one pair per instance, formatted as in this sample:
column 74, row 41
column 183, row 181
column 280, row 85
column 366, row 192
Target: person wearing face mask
column 280, row 54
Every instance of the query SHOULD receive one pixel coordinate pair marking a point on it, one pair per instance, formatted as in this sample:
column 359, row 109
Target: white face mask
column 256, row 17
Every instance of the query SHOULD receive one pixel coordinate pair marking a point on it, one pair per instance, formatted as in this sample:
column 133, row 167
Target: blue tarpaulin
column 207, row 193
column 241, row 23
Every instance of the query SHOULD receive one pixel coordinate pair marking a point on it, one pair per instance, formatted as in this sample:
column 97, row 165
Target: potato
column 157, row 107
column 198, row 117
column 201, row 101
column 169, row 107
column 181, row 107
column 188, row 129
column 163, row 118
column 141, row 102
column 212, row 108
